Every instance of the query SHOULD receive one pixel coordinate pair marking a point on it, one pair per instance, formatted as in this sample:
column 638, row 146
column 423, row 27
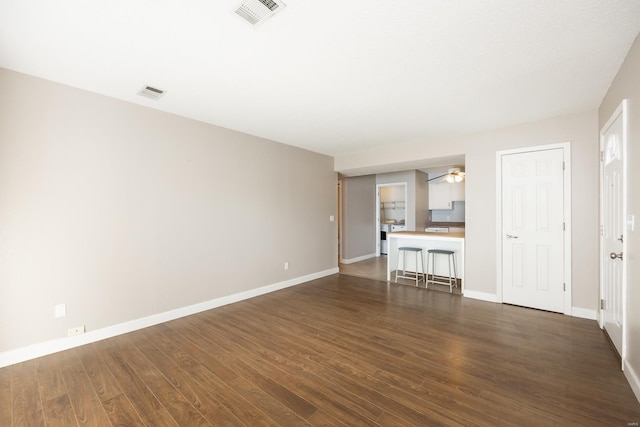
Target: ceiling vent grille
column 151, row 92
column 256, row 12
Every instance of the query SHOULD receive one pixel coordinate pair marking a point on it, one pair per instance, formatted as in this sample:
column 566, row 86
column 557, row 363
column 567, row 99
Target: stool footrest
column 442, row 280
column 411, row 275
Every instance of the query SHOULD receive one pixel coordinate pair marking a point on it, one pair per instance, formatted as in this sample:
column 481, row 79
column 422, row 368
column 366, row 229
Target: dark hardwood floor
column 376, row 269
column 339, row 351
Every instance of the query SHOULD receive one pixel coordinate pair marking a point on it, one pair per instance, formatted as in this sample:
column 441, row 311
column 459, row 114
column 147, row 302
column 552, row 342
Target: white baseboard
column 584, row 313
column 360, row 258
column 483, row 296
column 633, row 378
column 12, row 357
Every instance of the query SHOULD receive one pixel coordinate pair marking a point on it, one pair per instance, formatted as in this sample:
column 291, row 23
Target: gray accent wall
column 359, row 225
column 422, row 200
column 359, row 209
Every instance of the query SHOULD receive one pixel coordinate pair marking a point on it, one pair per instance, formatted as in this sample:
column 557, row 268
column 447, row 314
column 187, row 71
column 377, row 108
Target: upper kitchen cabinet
column 443, row 194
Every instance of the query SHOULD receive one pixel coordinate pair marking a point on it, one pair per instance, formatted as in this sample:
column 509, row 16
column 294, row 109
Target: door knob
column 511, row 236
column 614, row 255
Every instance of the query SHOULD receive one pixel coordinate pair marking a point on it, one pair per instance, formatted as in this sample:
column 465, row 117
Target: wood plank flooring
column 338, row 351
column 376, row 269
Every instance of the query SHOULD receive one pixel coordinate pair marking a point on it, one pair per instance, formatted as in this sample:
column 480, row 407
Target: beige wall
column 122, row 212
column 480, row 204
column 626, row 85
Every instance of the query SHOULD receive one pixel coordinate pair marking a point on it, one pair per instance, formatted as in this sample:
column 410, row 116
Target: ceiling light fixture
column 452, row 176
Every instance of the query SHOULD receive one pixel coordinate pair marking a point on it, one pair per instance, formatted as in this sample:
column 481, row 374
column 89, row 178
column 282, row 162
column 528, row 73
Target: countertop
column 445, row 224
column 426, row 234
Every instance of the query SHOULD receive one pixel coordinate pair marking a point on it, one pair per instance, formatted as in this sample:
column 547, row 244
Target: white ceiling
column 332, row 76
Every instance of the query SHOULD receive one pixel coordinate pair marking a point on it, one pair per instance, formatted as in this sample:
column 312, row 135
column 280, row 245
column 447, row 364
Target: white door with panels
column 613, row 228
column 533, row 227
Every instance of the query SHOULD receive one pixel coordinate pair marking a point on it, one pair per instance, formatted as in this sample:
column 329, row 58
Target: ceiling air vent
column 151, row 92
column 256, row 12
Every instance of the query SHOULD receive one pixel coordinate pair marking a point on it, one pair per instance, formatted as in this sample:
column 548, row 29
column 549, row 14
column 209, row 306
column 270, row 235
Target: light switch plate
column 60, row 310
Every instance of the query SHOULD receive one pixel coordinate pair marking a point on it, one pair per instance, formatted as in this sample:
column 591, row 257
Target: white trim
column 584, row 313
column 621, row 110
column 358, row 259
column 482, row 296
column 42, row 349
column 377, row 210
column 632, row 377
column 340, row 217
column 566, row 150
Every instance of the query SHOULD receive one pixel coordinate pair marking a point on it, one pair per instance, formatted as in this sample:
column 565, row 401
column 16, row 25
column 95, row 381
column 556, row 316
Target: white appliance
column 384, row 244
column 398, row 227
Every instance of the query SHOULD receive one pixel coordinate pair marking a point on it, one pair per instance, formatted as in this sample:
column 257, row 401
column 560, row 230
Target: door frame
column 566, row 150
column 378, row 188
column 620, row 110
column 339, row 221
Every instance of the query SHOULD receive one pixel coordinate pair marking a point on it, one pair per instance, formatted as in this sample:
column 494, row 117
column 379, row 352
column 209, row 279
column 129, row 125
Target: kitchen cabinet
column 443, row 194
column 457, row 192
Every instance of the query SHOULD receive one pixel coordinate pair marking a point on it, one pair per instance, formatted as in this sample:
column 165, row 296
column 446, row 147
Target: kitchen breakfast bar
column 425, row 241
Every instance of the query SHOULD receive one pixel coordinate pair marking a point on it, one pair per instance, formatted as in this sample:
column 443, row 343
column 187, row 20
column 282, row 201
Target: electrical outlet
column 332, row 218
column 75, row 331
column 286, row 265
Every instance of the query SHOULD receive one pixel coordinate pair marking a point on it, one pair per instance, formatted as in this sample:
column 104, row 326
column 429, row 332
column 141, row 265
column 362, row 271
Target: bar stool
column 451, row 260
column 417, row 276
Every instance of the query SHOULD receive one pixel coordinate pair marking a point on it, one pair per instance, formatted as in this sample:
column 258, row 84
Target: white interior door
column 533, row 229
column 613, row 229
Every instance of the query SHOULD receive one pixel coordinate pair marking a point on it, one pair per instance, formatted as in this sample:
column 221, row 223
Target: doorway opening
column 391, row 212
